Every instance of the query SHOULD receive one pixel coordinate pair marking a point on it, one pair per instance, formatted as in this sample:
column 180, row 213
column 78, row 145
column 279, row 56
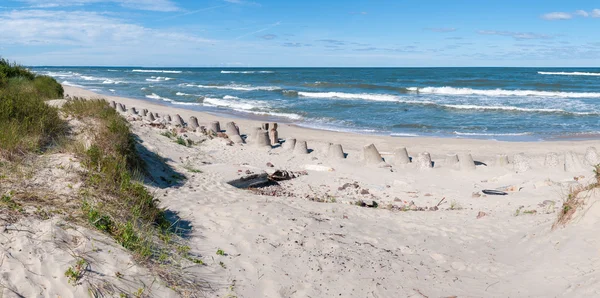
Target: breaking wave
column 502, row 92
column 491, row 134
column 156, row 71
column 234, row 87
column 575, row 73
column 515, row 109
column 247, row 106
column 342, row 95
column 157, row 97
column 71, row 84
column 245, row 71
column 159, row 79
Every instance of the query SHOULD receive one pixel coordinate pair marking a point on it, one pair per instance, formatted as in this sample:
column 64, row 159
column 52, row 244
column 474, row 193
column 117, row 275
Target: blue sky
column 242, row 33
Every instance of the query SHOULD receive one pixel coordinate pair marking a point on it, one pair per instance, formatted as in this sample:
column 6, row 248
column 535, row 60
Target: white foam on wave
column 61, row 74
column 247, row 106
column 245, row 71
column 92, row 78
column 400, row 134
column 109, row 81
column 156, row 71
column 363, row 96
column 514, row 109
column 491, row 134
column 234, row 87
column 157, row 97
column 234, row 103
column 575, row 73
column 71, row 84
column 341, row 95
column 501, row 92
column 159, row 79
column 185, row 94
column 183, row 103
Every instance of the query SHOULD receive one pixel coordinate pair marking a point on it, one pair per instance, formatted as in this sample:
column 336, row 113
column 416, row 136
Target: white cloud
column 83, row 29
column 516, row 35
column 595, row 13
column 557, row 16
column 154, row 5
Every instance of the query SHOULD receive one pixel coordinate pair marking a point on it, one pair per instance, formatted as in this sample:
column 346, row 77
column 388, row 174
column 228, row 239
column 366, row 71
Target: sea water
column 516, row 104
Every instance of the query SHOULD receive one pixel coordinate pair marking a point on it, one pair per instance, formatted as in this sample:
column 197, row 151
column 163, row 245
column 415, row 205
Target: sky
column 270, row 33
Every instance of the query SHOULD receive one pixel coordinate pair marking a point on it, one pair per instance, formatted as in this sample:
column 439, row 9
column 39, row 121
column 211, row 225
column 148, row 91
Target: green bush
column 12, row 70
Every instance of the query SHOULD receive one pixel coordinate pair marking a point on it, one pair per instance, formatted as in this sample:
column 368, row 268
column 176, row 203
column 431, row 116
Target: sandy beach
column 431, row 233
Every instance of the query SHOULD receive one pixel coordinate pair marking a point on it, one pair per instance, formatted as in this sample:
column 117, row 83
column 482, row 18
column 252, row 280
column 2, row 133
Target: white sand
column 294, row 247
column 37, row 249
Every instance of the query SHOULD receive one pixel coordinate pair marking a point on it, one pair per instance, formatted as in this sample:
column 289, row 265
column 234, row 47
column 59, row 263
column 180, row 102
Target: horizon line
column 382, row 67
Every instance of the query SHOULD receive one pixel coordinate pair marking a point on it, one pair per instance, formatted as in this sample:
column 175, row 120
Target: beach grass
column 113, row 198
column 28, row 124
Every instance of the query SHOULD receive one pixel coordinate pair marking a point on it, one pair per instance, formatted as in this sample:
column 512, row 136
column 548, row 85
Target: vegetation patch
column 573, row 200
column 28, row 124
column 116, row 202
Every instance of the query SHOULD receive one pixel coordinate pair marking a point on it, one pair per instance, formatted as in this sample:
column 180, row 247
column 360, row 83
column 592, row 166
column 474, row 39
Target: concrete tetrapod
column 591, row 156
column 262, row 139
column 193, row 123
column 423, row 161
column 178, row 121
column 572, row 162
column 371, row 155
column 336, row 152
column 254, row 134
column 289, row 144
column 215, row 127
column 150, row 117
column 232, row 129
column 451, row 160
column 121, row 108
column 301, row 147
column 466, row 162
column 113, row 104
column 273, row 136
column 551, row 160
column 401, row 156
column 521, row 163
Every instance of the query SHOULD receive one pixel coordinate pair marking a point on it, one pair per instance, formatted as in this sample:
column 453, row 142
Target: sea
column 509, row 104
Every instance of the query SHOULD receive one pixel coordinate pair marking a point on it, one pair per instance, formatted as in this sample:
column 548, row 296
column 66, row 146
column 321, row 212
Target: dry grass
column 574, row 201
